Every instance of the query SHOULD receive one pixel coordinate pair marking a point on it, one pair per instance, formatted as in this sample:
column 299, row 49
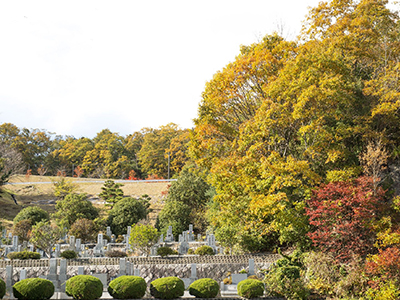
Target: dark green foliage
column 33, row 213
column 167, row 288
column 204, row 250
column 204, row 288
column 69, row 254
column 127, row 287
column 33, row 289
column 84, row 287
column 126, row 212
column 250, row 288
column 165, row 251
column 116, row 253
column 23, row 255
column 175, row 214
column 187, row 198
column 74, row 207
column 111, row 193
column 2, row 288
column 284, row 278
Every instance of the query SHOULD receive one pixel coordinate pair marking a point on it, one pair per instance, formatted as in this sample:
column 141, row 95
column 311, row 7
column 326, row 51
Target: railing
column 154, row 260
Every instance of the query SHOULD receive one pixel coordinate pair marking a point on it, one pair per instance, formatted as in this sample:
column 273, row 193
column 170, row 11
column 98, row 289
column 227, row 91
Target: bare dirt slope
column 38, row 190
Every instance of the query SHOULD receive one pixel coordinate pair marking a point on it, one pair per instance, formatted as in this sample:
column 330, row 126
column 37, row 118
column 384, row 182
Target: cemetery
column 226, row 270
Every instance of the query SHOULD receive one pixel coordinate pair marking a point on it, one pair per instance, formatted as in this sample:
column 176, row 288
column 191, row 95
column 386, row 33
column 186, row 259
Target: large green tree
column 153, row 155
column 185, row 204
column 285, row 117
column 72, row 208
column 126, row 212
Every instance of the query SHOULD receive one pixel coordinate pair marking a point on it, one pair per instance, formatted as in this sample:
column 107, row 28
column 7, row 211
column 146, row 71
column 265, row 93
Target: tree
column 72, row 208
column 185, row 204
column 22, row 229
column 84, row 229
column 63, row 187
column 33, row 213
column 143, row 237
column 175, row 214
column 153, row 154
column 111, row 193
column 107, row 158
column 343, row 215
column 283, row 116
column 72, row 151
column 11, row 159
column 44, row 236
column 126, row 212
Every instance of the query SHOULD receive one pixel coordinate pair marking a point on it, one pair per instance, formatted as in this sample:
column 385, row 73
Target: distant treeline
column 148, row 153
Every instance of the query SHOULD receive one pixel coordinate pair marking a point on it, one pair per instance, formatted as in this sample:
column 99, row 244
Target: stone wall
column 152, row 268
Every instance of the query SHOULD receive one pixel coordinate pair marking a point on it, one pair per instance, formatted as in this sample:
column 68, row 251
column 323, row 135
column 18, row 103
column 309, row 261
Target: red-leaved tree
column 342, row 215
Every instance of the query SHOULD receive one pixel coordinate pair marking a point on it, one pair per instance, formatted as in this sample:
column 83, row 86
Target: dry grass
column 30, row 193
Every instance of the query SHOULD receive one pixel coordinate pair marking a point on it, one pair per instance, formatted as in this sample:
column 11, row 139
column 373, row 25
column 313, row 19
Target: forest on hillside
column 148, row 153
column 299, row 144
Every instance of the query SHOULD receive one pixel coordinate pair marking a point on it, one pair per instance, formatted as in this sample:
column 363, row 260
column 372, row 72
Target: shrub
column 204, row 250
column 127, row 287
column 204, row 288
column 250, row 288
column 190, row 251
column 167, row 288
column 85, row 287
column 69, row 254
column 165, row 251
column 23, row 255
column 33, row 213
column 285, row 278
column 2, row 288
column 116, row 253
column 33, row 289
column 84, row 229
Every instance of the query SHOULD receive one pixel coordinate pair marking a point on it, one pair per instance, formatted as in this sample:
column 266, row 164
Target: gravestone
column 183, row 248
column 9, row 280
column 128, row 235
column 190, row 233
column 78, row 245
column 63, row 274
column 170, row 237
column 108, row 231
column 98, row 250
column 81, row 270
column 15, row 243
column 22, row 274
column 122, row 266
column 251, row 267
column 193, row 276
column 71, row 243
column 136, row 272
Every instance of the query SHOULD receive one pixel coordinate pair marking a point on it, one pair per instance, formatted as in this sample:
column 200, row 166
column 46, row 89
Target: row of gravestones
column 99, row 249
column 125, row 268
column 103, row 245
column 184, row 239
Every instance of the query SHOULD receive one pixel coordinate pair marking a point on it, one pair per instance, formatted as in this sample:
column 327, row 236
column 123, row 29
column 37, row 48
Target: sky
column 78, row 67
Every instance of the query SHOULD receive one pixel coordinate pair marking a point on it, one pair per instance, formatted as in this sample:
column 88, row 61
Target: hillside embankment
column 39, row 190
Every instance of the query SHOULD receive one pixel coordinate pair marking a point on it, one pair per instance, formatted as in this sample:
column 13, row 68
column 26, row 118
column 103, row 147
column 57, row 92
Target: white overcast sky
column 77, row 67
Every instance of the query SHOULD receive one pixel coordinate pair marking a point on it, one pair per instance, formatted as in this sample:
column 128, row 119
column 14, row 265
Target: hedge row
column 127, row 287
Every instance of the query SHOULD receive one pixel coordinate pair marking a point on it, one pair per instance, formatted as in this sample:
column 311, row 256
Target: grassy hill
column 38, row 190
